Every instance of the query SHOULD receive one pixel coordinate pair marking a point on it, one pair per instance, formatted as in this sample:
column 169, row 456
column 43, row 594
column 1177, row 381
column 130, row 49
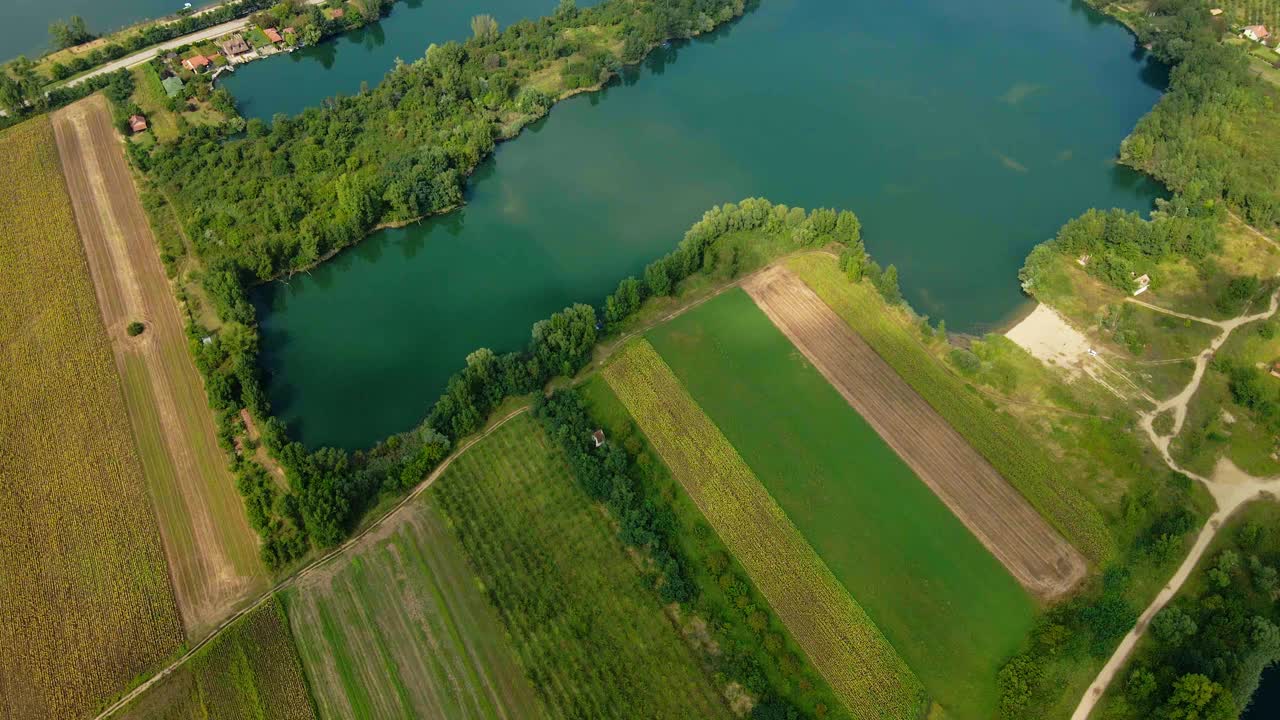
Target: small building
column 1256, row 33
column 1082, row 261
column 273, row 35
column 1215, row 12
column 172, row 86
column 233, row 46
column 598, row 437
column 137, row 123
column 196, row 63
column 335, row 13
column 1275, row 368
column 1144, row 282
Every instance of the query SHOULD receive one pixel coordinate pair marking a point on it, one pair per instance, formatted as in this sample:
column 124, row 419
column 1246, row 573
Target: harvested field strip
column 249, row 671
column 998, row 437
column 840, row 639
column 212, row 551
column 85, row 601
column 399, row 628
column 996, row 513
column 943, row 601
column 591, row 636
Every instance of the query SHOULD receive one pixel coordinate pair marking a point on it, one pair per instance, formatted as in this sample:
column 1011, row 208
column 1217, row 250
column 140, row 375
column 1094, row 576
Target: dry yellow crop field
column 84, row 590
column 842, row 642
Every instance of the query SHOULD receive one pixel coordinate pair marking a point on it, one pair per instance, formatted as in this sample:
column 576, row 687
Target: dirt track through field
column 1033, row 552
column 211, row 550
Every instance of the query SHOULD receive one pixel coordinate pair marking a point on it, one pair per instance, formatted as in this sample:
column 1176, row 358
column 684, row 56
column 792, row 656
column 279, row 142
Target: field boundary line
column 311, row 567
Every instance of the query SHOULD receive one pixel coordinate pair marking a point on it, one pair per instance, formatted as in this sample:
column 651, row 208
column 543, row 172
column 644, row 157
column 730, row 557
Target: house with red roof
column 272, row 35
column 196, row 63
column 1256, row 33
column 137, row 123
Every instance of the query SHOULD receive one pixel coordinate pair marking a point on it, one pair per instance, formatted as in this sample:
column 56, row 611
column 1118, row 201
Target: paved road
column 143, row 56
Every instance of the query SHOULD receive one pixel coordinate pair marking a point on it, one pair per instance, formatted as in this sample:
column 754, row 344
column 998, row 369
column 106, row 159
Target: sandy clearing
column 1051, row 339
column 211, row 550
column 1033, row 552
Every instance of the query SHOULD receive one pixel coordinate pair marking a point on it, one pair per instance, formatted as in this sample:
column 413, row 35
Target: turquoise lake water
column 962, row 135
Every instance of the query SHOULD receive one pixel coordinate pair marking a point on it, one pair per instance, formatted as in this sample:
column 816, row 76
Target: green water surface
column 962, row 134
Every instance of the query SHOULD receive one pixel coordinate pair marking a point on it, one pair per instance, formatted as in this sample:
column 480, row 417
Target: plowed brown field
column 212, row 551
column 1034, row 553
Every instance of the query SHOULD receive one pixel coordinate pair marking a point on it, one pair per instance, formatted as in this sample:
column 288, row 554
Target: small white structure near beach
column 1144, row 282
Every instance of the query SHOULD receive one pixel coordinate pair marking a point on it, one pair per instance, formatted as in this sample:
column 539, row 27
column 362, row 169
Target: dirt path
column 211, row 550
column 1230, row 488
column 371, row 533
column 997, row 514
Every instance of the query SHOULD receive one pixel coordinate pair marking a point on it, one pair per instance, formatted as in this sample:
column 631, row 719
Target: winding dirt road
column 1229, row 487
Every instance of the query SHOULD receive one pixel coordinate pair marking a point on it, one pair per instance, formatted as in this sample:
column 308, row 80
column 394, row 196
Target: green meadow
column 942, row 600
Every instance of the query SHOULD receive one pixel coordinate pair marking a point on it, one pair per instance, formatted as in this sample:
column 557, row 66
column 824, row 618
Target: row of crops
column 590, row 635
column 84, row 591
column 840, row 639
column 250, row 670
column 996, row 436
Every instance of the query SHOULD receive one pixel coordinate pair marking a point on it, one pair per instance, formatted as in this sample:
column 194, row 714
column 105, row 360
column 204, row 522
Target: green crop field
column 590, row 634
column 997, row 437
column 401, row 629
column 943, row 601
column 249, row 671
column 863, row 669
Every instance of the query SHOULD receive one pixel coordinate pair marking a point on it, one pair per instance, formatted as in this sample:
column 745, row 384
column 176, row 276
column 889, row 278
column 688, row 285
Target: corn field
column 840, row 639
column 85, row 600
column 249, row 671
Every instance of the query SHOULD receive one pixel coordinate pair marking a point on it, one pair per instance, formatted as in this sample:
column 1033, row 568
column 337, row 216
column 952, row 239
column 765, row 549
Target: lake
column 961, row 134
column 1265, row 704
column 25, row 30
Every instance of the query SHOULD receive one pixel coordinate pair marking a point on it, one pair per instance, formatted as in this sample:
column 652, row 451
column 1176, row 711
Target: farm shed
column 137, row 123
column 172, row 86
column 598, row 437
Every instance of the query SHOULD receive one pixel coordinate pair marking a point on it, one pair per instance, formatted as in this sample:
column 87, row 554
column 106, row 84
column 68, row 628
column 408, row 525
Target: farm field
column 85, row 602
column 400, row 628
column 997, row 437
column 838, row 636
column 591, row 636
column 251, row 670
column 212, row 551
column 997, row 515
column 942, row 600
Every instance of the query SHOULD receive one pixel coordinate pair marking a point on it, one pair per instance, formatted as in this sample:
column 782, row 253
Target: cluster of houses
column 234, row 49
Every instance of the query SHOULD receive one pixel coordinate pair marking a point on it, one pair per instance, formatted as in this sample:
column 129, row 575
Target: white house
column 1144, row 282
column 1256, row 33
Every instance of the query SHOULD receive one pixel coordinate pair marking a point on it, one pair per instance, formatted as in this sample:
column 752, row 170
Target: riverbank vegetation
column 321, row 181
column 1206, row 650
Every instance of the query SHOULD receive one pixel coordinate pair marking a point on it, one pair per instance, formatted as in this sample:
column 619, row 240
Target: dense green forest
column 294, row 191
